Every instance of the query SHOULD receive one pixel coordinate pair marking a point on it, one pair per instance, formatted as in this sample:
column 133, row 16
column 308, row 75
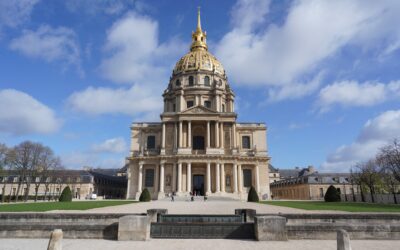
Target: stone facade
column 198, row 147
column 312, row 186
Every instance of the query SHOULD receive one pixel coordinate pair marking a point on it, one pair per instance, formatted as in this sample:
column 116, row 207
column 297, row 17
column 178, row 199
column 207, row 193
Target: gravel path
column 174, row 244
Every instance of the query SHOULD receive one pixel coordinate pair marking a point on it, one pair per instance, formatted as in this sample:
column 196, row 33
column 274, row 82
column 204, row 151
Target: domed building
column 198, row 147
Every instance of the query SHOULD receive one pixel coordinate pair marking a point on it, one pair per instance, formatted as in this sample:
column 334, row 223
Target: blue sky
column 323, row 75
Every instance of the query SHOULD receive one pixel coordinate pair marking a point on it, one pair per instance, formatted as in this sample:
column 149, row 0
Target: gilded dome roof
column 199, row 58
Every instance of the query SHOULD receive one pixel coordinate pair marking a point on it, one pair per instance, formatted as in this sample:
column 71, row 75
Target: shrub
column 332, row 194
column 252, row 196
column 66, row 195
column 145, row 195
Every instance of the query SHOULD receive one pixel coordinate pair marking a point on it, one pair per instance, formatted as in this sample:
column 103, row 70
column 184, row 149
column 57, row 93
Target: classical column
column 180, row 134
column 174, row 166
column 235, row 178
column 240, row 180
column 128, row 190
column 163, row 136
column 257, row 179
column 189, row 139
column 189, row 177
column 176, row 136
column 208, row 178
column 216, row 135
column 140, row 177
column 162, row 178
column 234, row 135
column 222, row 177
column 222, row 135
column 179, row 177
column 217, row 178
column 208, row 134
column 157, row 178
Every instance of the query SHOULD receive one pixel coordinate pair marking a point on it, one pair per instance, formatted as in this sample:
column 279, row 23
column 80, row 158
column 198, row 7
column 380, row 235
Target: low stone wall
column 325, row 226
column 40, row 225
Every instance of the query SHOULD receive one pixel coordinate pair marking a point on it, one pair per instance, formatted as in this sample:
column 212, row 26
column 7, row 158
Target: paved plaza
column 196, row 207
column 174, row 244
column 184, row 206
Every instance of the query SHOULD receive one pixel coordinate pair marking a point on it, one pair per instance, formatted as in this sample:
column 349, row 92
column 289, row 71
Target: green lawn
column 48, row 206
column 339, row 206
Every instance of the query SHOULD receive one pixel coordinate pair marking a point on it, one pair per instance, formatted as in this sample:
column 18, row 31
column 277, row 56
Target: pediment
column 198, row 110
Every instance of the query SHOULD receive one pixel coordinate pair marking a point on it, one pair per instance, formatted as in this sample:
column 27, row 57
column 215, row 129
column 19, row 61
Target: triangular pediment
column 198, row 110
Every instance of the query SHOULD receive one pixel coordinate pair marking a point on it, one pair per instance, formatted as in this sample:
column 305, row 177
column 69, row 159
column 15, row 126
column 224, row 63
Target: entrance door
column 198, row 184
column 198, row 142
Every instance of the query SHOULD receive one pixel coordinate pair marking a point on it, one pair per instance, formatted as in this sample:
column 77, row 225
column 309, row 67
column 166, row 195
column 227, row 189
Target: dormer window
column 178, row 83
column 207, row 81
column 151, row 142
column 191, row 81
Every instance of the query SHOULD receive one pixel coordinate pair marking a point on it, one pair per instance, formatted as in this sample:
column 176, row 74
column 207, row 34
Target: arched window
column 178, row 83
column 191, row 81
column 207, row 81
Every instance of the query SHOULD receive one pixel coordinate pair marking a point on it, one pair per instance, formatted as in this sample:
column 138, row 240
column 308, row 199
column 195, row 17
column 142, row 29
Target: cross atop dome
column 199, row 38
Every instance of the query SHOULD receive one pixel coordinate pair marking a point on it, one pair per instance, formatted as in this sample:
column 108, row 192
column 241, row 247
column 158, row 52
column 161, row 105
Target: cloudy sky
column 323, row 75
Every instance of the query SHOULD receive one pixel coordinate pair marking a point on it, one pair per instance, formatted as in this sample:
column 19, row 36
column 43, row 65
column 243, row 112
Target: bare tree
column 370, row 175
column 46, row 164
column 389, row 158
column 3, row 163
column 27, row 159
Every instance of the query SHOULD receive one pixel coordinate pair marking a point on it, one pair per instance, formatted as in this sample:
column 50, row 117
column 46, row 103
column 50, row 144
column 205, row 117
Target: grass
column 48, row 206
column 337, row 206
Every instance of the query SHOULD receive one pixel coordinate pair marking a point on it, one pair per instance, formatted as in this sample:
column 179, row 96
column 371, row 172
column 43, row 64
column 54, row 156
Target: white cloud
column 130, row 101
column 134, row 53
column 353, row 93
column 376, row 133
column 49, row 44
column 294, row 90
column 21, row 114
column 134, row 56
column 113, row 145
column 257, row 53
column 14, row 13
column 77, row 160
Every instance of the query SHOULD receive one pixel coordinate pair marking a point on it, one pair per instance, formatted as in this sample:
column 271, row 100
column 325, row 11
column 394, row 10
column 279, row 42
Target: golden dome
column 199, row 58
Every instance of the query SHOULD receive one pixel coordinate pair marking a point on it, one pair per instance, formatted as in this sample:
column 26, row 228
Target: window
column 149, row 178
column 246, row 142
column 228, row 181
column 223, row 107
column 174, row 107
column 321, row 192
column 151, row 142
column 178, row 83
column 207, row 81
column 247, row 177
column 191, row 81
column 189, row 104
column 207, row 104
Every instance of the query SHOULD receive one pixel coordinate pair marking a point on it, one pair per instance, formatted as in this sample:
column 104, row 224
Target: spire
column 198, row 20
column 198, row 37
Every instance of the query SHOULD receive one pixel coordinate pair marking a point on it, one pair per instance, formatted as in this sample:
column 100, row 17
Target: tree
column 66, row 195
column 332, row 194
column 3, row 164
column 389, row 158
column 145, row 195
column 370, row 176
column 252, row 196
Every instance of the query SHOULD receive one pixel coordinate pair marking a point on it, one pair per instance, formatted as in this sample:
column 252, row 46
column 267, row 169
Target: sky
column 323, row 75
